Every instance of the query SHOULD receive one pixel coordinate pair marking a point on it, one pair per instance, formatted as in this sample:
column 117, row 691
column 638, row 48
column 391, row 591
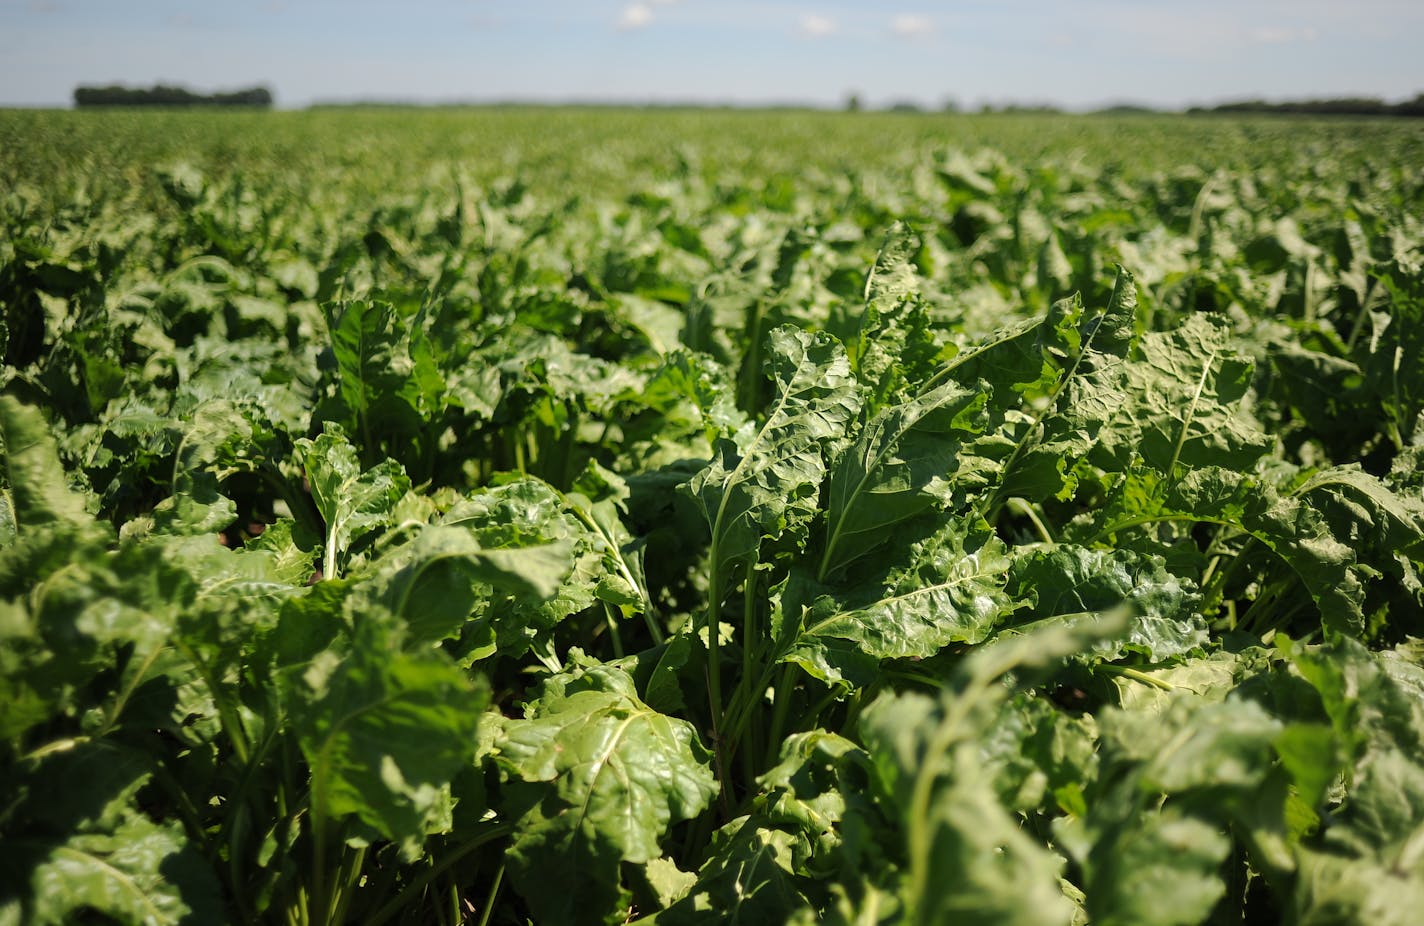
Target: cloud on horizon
column 815, row 26
column 911, row 26
column 641, row 14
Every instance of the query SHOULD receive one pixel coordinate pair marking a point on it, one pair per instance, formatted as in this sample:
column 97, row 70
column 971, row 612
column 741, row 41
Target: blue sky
column 1076, row 53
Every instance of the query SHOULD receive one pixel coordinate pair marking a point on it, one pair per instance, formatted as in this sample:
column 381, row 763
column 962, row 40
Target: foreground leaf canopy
column 558, row 515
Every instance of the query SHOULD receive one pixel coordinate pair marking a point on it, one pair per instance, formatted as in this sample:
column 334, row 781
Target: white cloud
column 1283, row 35
column 911, row 25
column 640, row 14
column 815, row 27
column 635, row 16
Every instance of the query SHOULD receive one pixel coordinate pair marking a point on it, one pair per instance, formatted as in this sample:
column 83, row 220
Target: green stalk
column 1187, row 418
column 613, row 630
column 403, row 901
column 518, row 444
column 654, row 630
column 543, row 650
column 111, row 717
column 749, row 639
column 568, row 446
column 350, row 877
column 780, row 710
column 745, row 700
column 319, row 901
column 493, row 895
column 714, row 682
column 749, row 625
column 1214, row 590
column 1135, row 675
column 918, row 836
column 1023, row 507
column 751, row 370
column 1198, row 205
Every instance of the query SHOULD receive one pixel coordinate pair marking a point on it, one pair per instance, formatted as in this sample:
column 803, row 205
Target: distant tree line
column 1346, row 106
column 161, row 95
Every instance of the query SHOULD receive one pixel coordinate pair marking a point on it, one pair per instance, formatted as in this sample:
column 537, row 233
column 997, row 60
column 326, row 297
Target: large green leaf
column 896, row 347
column 749, row 877
column 948, row 589
column 75, row 843
column 384, row 732
column 1072, row 580
column 380, row 380
column 353, row 502
column 611, row 776
column 140, row 873
column 902, row 464
column 1055, row 385
column 964, row 853
column 1186, row 401
column 768, row 485
column 1170, row 783
column 543, row 563
column 966, row 857
column 38, row 492
column 1334, row 530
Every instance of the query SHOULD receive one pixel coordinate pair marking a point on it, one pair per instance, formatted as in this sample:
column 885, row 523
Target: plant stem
column 714, row 676
column 347, row 883
column 493, row 895
column 780, row 708
column 1135, row 675
column 1023, row 507
column 402, row 901
column 613, row 630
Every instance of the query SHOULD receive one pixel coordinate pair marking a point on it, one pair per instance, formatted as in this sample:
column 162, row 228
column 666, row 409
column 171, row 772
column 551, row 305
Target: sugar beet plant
column 772, row 592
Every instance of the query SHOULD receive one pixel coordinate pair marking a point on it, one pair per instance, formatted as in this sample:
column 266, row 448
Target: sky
column 1073, row 53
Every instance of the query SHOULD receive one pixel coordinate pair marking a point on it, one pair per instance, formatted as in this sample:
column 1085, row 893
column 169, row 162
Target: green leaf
column 288, row 551
column 612, row 776
column 139, row 873
column 900, row 466
column 548, row 564
column 385, row 732
column 949, row 589
column 749, row 877
column 769, row 486
column 1171, row 782
column 1158, row 870
column 1330, row 890
column 1187, row 401
column 820, row 788
column 449, row 572
column 965, row 854
column 352, row 502
column 1055, row 385
column 1041, row 757
column 38, row 492
column 371, row 344
column 1072, row 580
column 896, row 347
column 1335, row 530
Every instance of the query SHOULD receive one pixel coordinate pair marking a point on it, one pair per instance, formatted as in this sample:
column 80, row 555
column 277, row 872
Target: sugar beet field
column 603, row 516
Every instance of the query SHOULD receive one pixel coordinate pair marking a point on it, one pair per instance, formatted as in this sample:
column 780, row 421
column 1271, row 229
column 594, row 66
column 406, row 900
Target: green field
column 599, row 516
